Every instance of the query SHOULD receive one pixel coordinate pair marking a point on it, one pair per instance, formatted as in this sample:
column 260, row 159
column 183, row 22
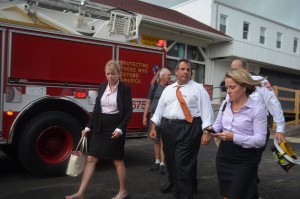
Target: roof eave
column 212, row 37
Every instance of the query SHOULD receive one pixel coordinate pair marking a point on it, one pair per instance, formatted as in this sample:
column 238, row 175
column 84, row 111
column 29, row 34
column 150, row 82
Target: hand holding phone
column 210, row 130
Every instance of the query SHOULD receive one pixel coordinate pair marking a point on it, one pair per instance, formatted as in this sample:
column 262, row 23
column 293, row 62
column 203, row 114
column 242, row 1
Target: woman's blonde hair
column 242, row 77
column 113, row 66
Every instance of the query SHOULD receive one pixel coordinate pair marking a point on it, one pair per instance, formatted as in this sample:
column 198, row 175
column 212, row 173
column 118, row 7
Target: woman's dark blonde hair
column 113, row 66
column 242, row 77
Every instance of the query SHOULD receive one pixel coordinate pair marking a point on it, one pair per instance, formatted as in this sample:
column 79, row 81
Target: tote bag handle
column 82, row 145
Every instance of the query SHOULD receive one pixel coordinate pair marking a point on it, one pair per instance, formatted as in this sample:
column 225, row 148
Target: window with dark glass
column 262, row 35
column 177, row 50
column 278, row 42
column 198, row 72
column 295, row 48
column 223, row 23
column 193, row 53
column 246, row 30
column 171, row 64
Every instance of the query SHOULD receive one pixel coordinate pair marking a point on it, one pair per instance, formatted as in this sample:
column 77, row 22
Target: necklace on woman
column 239, row 105
column 235, row 110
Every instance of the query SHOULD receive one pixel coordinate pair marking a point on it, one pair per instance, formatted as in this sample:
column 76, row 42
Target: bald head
column 239, row 63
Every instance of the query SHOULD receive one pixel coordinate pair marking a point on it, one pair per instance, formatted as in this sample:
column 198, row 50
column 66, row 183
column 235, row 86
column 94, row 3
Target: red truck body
column 49, row 82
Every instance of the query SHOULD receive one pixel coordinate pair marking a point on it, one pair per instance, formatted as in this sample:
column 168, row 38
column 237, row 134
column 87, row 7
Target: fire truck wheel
column 47, row 141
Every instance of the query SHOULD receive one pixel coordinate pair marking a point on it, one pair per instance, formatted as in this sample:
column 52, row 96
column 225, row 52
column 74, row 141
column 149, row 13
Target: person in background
column 242, row 127
column 223, row 91
column 266, row 96
column 183, row 110
column 154, row 94
column 111, row 115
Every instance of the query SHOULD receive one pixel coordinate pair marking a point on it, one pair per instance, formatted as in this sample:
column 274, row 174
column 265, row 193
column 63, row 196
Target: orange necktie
column 184, row 107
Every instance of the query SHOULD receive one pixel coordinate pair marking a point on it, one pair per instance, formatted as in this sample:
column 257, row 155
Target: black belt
column 178, row 120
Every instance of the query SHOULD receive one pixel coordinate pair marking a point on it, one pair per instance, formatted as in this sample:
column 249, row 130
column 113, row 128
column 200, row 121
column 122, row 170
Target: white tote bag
column 78, row 158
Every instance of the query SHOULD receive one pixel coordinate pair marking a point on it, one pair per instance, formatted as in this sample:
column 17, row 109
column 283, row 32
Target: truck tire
column 47, row 141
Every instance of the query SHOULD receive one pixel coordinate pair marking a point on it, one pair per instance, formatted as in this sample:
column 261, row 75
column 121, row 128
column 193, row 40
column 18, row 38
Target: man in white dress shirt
column 182, row 138
column 266, row 96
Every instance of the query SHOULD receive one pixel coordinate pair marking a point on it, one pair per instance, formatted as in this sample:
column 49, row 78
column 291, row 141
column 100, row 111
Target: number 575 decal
column 138, row 104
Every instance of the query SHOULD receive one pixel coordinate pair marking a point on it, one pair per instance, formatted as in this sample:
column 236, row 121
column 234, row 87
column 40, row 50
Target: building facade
column 211, row 34
column 271, row 48
column 185, row 37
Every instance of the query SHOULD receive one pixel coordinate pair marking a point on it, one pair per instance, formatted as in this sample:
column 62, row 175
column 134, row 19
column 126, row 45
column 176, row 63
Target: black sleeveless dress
column 102, row 145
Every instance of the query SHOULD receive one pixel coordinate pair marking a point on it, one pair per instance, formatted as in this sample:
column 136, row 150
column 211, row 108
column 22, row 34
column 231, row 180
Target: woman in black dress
column 242, row 127
column 109, row 121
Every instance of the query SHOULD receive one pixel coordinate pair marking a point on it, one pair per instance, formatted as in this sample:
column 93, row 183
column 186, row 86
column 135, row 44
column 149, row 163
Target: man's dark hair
column 185, row 61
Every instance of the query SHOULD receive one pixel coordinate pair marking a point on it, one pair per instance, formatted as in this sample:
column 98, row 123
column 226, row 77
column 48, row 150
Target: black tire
column 47, row 141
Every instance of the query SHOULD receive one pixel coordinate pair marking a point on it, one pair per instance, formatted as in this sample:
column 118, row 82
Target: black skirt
column 236, row 169
column 102, row 145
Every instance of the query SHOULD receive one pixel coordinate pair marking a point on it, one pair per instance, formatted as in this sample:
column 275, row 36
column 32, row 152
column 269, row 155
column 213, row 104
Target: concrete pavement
column 17, row 183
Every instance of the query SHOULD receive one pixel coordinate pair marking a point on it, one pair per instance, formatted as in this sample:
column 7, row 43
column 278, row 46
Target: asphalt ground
column 17, row 183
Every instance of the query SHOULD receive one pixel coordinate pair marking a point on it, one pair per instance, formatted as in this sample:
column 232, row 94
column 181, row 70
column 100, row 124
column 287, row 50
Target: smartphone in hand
column 210, row 130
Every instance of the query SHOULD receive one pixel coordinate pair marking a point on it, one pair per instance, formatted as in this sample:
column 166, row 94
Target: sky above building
column 283, row 11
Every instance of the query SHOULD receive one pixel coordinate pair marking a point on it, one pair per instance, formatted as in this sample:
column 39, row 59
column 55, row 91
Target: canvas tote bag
column 78, row 158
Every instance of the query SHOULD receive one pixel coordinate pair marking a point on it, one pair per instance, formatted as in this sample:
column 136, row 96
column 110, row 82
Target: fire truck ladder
column 81, row 17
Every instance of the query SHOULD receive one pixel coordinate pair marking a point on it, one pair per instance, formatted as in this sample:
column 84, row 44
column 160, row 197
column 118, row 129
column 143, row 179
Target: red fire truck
column 49, row 76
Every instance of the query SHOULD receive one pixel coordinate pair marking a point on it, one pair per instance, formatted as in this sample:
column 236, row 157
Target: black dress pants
column 181, row 146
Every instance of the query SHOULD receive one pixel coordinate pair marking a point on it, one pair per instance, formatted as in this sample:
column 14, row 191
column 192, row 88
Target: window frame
column 295, row 45
column 246, row 32
column 279, row 40
column 198, row 73
column 262, row 35
column 221, row 25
